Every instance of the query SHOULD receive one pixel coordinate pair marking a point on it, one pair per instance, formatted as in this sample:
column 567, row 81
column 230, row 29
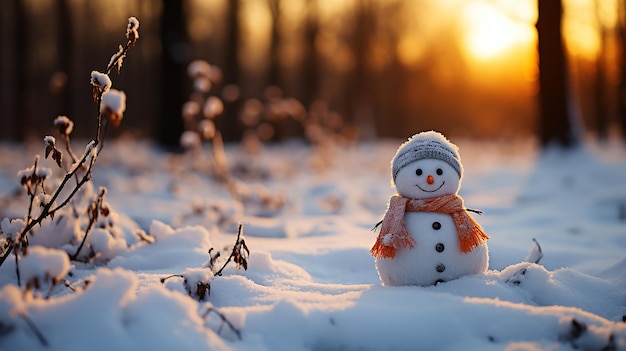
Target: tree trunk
column 65, row 46
column 555, row 124
column 173, row 72
column 358, row 91
column 6, row 72
column 621, row 93
column 601, row 101
column 228, row 123
column 310, row 67
column 23, row 118
column 274, row 69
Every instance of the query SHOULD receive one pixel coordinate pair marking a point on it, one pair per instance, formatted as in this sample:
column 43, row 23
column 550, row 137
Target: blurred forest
column 388, row 68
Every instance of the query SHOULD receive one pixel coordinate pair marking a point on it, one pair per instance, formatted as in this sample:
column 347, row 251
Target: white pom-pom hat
column 426, row 145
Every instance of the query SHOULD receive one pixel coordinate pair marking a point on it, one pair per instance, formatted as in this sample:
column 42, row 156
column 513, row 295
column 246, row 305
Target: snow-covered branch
column 33, row 178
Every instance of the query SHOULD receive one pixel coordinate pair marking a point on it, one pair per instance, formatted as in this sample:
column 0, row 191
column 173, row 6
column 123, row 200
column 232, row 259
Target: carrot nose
column 430, row 179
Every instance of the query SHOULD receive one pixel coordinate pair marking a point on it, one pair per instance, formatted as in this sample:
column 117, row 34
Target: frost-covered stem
column 32, row 193
column 7, row 253
column 72, row 287
column 93, row 217
column 68, row 176
column 172, row 276
column 224, row 321
column 46, row 211
column 212, row 258
column 82, row 243
column 42, row 339
column 219, row 157
column 69, row 285
column 69, row 148
column 143, row 237
column 52, row 285
column 102, row 124
column 17, row 270
column 117, row 57
column 233, row 253
column 105, row 127
column 70, row 152
column 540, row 256
column 99, row 102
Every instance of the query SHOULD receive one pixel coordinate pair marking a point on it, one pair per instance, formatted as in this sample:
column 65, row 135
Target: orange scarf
column 395, row 235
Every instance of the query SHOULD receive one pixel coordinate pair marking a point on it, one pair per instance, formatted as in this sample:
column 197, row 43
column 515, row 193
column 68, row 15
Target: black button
column 440, row 268
column 436, row 225
column 440, row 247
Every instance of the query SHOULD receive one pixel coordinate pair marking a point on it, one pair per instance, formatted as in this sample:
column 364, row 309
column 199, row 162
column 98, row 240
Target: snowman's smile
column 431, row 191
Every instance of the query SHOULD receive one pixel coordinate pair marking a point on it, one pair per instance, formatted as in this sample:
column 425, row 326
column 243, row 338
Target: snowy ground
column 311, row 282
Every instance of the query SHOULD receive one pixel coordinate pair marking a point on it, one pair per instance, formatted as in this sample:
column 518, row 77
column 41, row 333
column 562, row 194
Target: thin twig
column 17, row 270
column 69, row 148
column 172, row 276
column 224, row 321
column 42, row 339
column 94, row 210
column 32, row 192
column 105, row 127
column 539, row 250
column 120, row 55
column 377, row 225
column 144, row 237
column 69, row 285
column 52, row 285
column 6, row 254
column 98, row 104
column 233, row 253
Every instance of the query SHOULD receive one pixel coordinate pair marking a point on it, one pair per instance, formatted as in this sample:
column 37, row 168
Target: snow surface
column 311, row 282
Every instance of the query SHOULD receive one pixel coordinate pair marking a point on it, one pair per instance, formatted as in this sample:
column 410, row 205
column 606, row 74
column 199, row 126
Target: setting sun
column 489, row 32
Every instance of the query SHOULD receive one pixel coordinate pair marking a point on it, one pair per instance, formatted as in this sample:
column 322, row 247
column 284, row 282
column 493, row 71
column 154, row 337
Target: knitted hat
column 426, row 145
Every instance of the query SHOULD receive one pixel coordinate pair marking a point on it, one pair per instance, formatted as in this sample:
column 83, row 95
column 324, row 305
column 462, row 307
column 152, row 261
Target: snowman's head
column 427, row 165
column 427, row 178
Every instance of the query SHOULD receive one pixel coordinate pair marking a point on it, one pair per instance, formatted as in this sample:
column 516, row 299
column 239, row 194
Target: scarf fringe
column 471, row 234
column 475, row 238
column 380, row 250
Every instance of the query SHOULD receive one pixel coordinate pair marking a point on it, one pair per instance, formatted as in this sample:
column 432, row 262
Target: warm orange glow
column 201, row 26
column 255, row 38
column 490, row 32
column 411, row 49
column 582, row 20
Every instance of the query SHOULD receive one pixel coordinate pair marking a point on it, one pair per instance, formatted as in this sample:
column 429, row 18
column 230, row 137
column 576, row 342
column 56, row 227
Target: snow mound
column 184, row 247
column 109, row 315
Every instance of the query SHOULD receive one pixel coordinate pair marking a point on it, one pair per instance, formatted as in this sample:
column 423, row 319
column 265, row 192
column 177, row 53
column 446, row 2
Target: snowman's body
column 421, row 170
column 436, row 256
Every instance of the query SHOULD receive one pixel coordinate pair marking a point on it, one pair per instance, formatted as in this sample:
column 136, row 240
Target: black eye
column 439, row 171
column 418, row 172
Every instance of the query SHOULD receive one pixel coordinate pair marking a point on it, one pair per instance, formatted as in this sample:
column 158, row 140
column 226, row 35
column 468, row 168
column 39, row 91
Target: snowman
column 427, row 235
